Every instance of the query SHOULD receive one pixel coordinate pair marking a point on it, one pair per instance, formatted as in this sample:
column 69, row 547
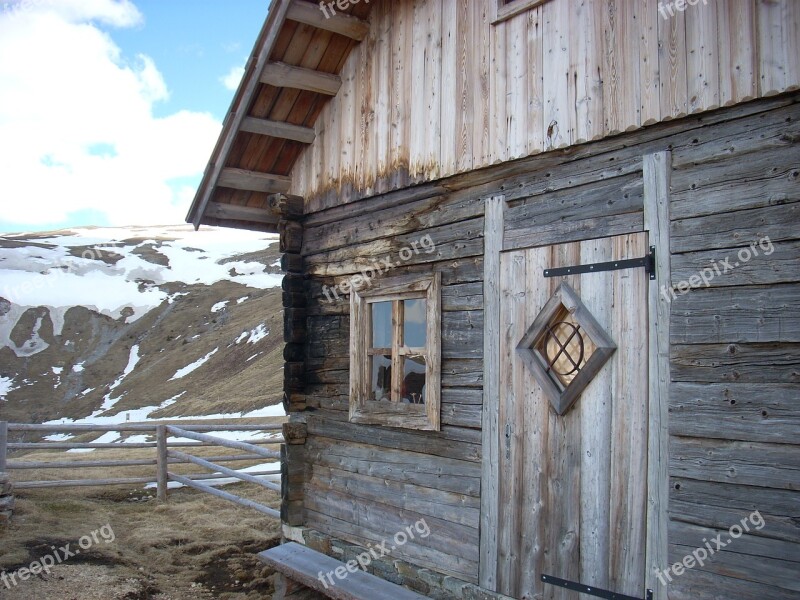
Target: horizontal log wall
column 365, row 483
column 437, row 89
column 735, row 358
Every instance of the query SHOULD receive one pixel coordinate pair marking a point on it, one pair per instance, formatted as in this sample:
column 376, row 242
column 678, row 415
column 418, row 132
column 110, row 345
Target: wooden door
column 572, row 488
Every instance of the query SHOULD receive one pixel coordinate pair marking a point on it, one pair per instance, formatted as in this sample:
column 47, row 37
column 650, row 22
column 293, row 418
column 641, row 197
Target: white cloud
column 117, row 13
column 232, row 79
column 77, row 123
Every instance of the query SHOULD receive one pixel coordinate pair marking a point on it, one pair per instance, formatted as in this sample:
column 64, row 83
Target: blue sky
column 109, row 109
column 193, row 44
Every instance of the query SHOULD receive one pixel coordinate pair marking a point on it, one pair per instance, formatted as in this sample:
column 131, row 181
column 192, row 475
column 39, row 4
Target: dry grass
column 193, row 546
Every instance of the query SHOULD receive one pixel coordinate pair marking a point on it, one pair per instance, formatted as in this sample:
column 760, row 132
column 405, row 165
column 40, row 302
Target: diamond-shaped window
column 565, row 348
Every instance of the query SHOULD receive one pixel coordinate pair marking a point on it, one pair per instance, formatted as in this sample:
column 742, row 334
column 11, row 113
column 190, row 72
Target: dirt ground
column 195, row 546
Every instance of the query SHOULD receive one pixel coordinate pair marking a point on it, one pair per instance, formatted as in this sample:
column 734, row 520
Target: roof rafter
column 280, row 74
column 217, row 210
column 254, row 181
column 278, row 129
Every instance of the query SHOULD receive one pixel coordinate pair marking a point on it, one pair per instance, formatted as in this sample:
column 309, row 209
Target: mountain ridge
column 101, row 323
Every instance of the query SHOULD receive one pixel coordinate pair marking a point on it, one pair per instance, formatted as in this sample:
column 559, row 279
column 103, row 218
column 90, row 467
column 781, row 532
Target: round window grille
column 564, row 348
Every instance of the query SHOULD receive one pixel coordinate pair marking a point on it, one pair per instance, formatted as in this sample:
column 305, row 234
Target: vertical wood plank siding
column 436, row 89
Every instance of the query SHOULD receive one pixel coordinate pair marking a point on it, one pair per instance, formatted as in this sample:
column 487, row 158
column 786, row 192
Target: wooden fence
column 166, row 455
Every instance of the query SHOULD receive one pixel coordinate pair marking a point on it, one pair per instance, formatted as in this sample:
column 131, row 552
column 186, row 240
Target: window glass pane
column 414, row 380
column 381, row 324
column 414, row 323
column 381, row 378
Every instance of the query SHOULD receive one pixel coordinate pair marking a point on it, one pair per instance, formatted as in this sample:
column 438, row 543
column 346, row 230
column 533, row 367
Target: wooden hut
column 542, row 295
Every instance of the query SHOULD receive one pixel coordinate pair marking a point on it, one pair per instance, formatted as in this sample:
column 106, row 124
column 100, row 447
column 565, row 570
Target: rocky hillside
column 121, row 324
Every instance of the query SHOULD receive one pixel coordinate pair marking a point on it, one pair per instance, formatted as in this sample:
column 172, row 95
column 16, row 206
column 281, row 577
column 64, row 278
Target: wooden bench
column 304, row 565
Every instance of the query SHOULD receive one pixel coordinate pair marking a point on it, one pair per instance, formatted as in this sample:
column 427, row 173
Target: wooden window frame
column 503, row 10
column 395, row 414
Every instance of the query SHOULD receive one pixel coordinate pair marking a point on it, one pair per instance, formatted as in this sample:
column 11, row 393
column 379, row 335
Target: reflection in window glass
column 381, row 324
column 414, row 380
column 381, row 386
column 414, row 323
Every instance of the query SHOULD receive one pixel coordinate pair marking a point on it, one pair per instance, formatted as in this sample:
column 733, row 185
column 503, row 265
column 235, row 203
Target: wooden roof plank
column 279, row 74
column 343, row 24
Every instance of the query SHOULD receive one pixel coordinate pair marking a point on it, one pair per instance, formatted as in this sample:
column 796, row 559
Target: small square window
column 395, row 334
column 505, row 9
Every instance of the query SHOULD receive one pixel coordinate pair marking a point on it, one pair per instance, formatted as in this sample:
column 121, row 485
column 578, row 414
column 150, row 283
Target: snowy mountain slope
column 122, row 323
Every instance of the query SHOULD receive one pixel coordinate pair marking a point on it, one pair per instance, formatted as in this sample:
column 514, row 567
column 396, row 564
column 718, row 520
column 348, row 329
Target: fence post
column 161, row 462
column 3, row 445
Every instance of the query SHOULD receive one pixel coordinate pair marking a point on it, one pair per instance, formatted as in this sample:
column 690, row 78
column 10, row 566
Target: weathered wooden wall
column 735, row 360
column 366, row 483
column 437, row 89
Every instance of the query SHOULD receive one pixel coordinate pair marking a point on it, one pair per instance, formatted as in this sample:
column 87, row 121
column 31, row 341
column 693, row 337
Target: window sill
column 393, row 414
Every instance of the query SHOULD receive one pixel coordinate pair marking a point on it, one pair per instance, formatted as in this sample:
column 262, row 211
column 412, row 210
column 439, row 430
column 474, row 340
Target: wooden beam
column 657, row 169
column 289, row 207
column 238, row 111
column 490, row 431
column 254, row 181
column 278, row 129
column 282, row 75
column 312, row 14
column 217, row 210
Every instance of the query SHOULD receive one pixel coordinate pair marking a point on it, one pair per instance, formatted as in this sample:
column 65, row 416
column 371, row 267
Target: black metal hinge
column 648, row 262
column 592, row 591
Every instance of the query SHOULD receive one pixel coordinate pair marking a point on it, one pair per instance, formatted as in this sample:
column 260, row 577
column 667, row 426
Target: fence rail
column 166, row 455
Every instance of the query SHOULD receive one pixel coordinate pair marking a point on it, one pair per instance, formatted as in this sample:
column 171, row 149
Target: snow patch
column 141, row 415
column 108, row 401
column 51, row 277
column 59, row 437
column 195, row 365
column 274, row 466
column 219, row 306
column 173, row 297
column 258, row 334
column 7, row 323
column 6, row 386
column 137, row 439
